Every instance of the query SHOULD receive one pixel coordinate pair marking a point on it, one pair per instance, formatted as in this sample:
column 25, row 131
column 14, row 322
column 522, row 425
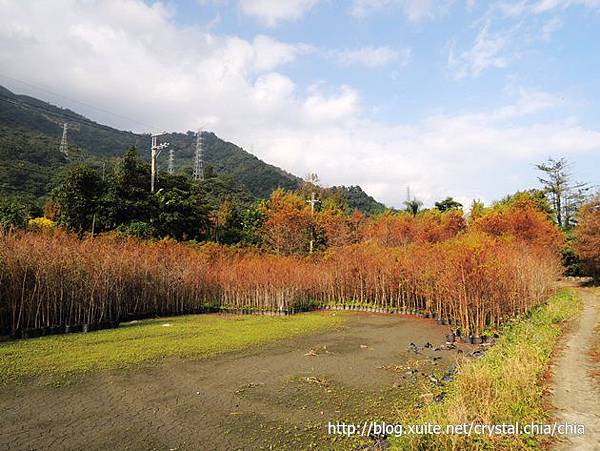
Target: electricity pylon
column 63, row 142
column 199, row 157
column 171, row 167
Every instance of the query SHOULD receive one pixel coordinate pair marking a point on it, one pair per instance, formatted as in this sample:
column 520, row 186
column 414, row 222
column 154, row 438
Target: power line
column 70, row 118
column 61, row 114
column 89, row 105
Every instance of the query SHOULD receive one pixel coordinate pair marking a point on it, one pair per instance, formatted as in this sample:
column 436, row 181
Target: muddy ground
column 279, row 396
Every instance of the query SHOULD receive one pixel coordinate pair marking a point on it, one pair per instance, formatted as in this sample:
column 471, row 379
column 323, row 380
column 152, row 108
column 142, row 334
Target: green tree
column 252, row 220
column 564, row 195
column 181, row 213
column 448, row 204
column 128, row 198
column 76, row 197
column 13, row 214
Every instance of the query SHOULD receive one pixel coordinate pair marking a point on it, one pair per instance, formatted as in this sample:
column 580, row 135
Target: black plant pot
column 16, row 334
column 476, row 340
column 88, row 327
column 32, row 333
column 76, row 328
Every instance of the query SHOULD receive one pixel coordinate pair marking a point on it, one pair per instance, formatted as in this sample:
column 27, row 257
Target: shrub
column 40, row 224
column 587, row 235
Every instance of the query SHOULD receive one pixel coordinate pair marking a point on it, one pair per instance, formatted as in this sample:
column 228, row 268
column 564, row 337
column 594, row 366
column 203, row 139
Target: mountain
column 31, row 130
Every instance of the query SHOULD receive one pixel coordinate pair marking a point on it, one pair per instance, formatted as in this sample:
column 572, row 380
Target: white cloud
column 270, row 53
column 521, row 7
column 319, row 108
column 373, row 56
column 414, row 10
column 132, row 58
column 530, row 101
column 550, row 27
column 490, row 50
column 271, row 12
column 362, row 8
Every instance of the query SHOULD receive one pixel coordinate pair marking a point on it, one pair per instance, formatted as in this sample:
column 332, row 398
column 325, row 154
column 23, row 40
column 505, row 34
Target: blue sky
column 451, row 97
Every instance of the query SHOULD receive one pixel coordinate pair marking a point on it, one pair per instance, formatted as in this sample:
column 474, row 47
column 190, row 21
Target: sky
column 450, row 97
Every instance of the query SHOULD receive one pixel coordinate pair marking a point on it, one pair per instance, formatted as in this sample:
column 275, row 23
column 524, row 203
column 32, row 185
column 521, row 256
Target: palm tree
column 413, row 206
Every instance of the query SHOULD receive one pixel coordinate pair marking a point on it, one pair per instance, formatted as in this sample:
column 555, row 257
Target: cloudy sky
column 449, row 97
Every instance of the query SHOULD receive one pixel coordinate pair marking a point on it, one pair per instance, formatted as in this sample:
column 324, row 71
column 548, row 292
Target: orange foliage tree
column 498, row 267
column 288, row 225
column 587, row 234
column 522, row 220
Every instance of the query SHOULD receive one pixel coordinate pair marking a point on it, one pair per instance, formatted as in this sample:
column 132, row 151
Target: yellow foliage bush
column 41, row 224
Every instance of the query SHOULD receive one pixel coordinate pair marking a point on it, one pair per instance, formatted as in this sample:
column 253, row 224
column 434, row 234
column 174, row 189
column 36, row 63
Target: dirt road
column 576, row 393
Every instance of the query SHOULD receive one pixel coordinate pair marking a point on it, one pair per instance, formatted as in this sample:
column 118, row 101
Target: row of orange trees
column 500, row 267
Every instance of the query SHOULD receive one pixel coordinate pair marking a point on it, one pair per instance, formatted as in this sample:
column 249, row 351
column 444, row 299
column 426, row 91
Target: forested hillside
column 31, row 129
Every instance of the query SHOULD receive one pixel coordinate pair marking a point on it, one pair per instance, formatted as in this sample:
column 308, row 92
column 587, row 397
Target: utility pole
column 171, row 168
column 199, row 157
column 94, row 217
column 313, row 201
column 154, row 153
column 63, row 142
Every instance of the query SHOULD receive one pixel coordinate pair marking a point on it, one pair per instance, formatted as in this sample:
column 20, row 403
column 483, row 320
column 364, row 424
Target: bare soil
column 575, row 393
column 280, row 396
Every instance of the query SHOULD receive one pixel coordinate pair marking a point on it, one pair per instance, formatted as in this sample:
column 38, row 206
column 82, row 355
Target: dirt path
column 576, row 394
column 276, row 397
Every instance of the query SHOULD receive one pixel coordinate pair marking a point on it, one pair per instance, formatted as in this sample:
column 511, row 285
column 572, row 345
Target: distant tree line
column 92, row 200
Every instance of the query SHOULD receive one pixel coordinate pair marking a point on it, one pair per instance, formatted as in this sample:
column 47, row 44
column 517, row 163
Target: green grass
column 195, row 336
column 504, row 386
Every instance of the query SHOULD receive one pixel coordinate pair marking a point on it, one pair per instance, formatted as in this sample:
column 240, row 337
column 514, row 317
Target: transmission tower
column 155, row 150
column 171, row 167
column 63, row 142
column 199, row 157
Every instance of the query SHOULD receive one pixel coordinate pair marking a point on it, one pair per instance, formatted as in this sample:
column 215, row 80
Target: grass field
column 504, row 386
column 194, row 336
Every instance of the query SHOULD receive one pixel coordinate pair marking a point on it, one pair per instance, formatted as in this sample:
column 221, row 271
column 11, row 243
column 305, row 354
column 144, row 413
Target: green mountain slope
column 31, row 129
